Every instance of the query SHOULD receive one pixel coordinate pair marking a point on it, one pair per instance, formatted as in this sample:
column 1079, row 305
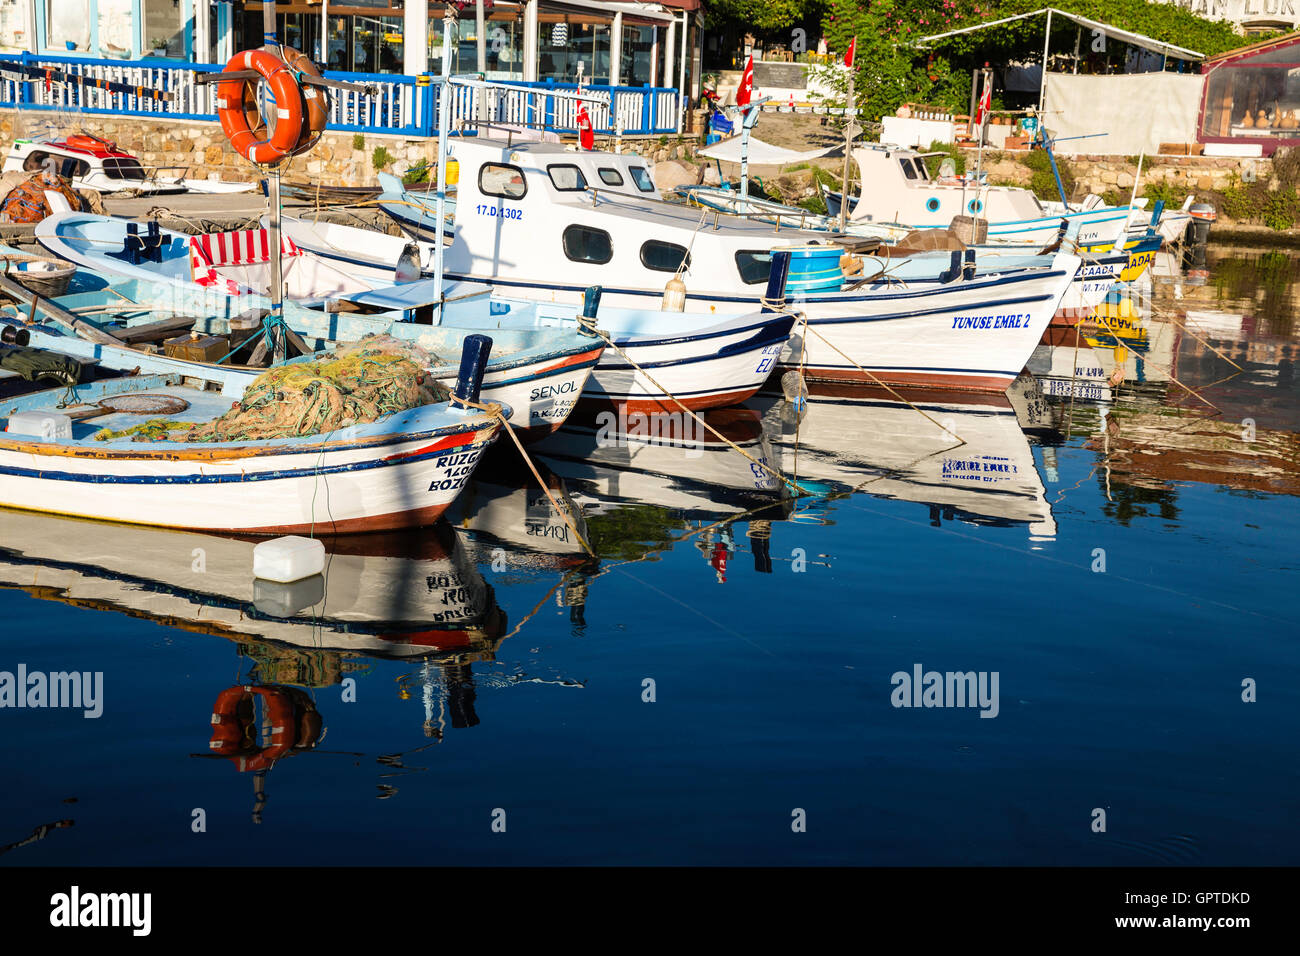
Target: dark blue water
column 1122, row 560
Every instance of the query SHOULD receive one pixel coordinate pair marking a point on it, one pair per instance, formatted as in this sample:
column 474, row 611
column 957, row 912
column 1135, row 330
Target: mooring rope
column 494, row 409
column 782, row 307
column 590, row 325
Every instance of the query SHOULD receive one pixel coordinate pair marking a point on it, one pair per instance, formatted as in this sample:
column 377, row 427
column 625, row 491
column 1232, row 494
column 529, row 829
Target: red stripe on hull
column 397, row 521
column 654, row 406
column 592, row 356
column 966, row 383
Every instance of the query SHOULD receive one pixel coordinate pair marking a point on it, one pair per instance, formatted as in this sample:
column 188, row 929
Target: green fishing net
column 352, row 385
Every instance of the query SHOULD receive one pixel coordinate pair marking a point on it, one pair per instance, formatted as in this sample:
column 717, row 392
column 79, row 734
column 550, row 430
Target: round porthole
column 932, row 204
column 975, row 205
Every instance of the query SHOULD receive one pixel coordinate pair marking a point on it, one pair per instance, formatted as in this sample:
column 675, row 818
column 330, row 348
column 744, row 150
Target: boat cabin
column 897, row 187
column 90, row 162
column 533, row 210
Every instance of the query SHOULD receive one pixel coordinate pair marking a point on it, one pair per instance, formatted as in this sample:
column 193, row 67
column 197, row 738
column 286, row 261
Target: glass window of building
column 164, row 28
column 566, row 41
column 366, row 39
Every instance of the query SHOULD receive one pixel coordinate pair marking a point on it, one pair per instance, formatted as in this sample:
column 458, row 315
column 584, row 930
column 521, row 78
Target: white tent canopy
column 760, row 153
column 1115, row 33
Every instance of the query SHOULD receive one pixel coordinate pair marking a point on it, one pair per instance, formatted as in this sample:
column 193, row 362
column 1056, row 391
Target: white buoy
column 674, row 295
column 287, row 559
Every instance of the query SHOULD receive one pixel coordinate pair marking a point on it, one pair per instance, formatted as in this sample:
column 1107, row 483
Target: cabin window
column 120, row 168
column 664, row 256
column 501, row 181
column 641, row 176
column 566, row 177
column 610, row 176
column 908, row 169
column 754, row 265
column 585, row 244
column 74, row 168
column 921, row 172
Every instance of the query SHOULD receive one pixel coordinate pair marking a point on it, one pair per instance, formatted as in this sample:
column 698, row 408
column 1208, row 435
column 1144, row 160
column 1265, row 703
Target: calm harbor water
column 1114, row 539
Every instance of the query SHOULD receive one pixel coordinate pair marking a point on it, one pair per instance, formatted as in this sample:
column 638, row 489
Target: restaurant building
column 612, row 44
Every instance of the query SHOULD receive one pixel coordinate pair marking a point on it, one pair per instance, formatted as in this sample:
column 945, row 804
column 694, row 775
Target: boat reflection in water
column 408, row 596
column 1166, row 391
column 971, row 463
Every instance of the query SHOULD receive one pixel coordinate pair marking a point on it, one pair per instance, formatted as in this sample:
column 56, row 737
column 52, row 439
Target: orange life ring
column 237, row 109
column 295, row 725
column 316, row 104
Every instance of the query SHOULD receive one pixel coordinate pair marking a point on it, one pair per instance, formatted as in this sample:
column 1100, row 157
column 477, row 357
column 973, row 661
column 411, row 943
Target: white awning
column 1115, row 33
column 760, row 153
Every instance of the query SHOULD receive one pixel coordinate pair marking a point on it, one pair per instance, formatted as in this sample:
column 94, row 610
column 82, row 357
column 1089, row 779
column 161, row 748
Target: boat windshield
column 641, row 176
column 754, row 265
column 566, row 177
column 117, row 167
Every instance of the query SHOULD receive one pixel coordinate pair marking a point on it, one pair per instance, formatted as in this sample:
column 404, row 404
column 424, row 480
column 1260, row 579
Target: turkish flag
column 986, row 103
column 848, row 54
column 586, row 132
column 746, row 84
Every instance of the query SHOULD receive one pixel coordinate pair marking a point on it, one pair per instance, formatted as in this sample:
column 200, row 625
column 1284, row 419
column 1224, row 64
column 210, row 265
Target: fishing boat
column 898, row 190
column 70, row 450
column 704, row 359
column 237, row 262
column 537, row 375
column 519, row 233
column 414, row 208
column 94, row 163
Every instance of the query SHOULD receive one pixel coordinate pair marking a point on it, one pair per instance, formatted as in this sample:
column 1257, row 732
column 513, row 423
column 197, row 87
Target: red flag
column 848, row 54
column 986, row 103
column 746, row 89
column 586, row 132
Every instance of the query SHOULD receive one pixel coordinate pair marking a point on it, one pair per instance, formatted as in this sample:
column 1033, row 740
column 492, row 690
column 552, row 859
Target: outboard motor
column 1198, row 232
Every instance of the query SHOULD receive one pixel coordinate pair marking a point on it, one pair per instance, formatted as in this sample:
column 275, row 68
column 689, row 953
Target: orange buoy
column 316, row 107
column 240, row 120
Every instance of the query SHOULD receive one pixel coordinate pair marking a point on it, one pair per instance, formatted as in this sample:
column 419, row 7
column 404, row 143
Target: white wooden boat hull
column 974, row 334
column 405, row 479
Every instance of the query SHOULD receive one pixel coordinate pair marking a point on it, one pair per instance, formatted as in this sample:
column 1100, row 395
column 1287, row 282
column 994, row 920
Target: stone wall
column 336, row 160
column 1098, row 174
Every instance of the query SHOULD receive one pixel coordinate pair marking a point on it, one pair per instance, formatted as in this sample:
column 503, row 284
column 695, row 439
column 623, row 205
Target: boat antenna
column 444, row 129
column 1137, row 178
column 851, row 130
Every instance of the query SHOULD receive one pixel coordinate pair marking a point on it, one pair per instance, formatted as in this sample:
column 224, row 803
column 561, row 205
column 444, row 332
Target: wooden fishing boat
column 704, row 359
column 317, row 194
column 231, row 263
column 532, row 239
column 537, row 374
column 94, row 163
column 901, row 191
column 400, row 471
